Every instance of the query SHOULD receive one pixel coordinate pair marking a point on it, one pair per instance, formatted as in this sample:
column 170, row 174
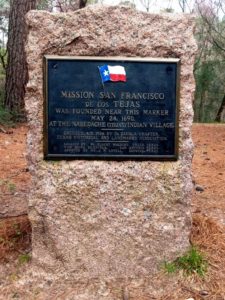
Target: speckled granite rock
column 107, row 219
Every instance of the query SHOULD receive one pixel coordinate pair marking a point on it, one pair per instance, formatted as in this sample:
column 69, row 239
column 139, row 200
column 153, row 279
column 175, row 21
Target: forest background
column 209, row 103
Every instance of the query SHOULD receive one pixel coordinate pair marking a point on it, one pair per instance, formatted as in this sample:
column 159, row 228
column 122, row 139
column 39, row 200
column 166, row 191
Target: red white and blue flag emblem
column 112, row 73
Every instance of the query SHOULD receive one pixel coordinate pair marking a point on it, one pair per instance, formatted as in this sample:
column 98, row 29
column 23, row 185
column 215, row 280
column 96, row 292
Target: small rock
column 126, row 211
column 203, row 293
column 197, row 211
column 49, row 282
column 199, row 188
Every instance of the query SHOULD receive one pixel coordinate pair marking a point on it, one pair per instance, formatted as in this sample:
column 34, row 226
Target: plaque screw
column 169, row 70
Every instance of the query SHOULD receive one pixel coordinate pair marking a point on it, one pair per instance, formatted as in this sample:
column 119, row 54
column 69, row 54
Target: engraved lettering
column 113, row 111
column 97, row 118
column 142, row 96
column 132, row 119
column 162, row 125
column 126, row 104
column 155, row 112
column 107, row 95
column 102, row 104
column 87, row 111
column 63, row 110
column 77, row 95
column 89, row 104
column 113, row 118
column 128, row 118
column 132, row 112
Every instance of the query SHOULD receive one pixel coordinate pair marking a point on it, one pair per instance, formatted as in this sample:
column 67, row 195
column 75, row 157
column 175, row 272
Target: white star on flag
column 112, row 73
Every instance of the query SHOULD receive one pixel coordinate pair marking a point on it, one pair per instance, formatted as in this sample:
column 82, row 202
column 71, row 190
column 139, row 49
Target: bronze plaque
column 111, row 108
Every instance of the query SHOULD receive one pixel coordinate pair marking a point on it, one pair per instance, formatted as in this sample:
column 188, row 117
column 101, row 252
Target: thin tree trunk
column 82, row 3
column 16, row 71
column 201, row 105
column 220, row 111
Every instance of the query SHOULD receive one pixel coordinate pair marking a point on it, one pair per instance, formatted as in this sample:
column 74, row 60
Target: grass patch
column 11, row 187
column 193, row 262
column 24, row 259
column 170, row 267
column 8, row 185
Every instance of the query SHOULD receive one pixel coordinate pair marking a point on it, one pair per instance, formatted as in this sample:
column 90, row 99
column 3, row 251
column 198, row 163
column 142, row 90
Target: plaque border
column 48, row 156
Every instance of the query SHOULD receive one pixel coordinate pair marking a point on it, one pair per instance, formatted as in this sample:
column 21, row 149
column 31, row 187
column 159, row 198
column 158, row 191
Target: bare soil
column 208, row 232
column 209, row 170
column 14, row 174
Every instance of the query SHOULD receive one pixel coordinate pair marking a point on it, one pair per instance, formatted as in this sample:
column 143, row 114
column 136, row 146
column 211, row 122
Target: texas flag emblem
column 112, row 73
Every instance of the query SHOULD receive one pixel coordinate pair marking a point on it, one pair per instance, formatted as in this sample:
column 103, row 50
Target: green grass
column 11, row 187
column 193, row 262
column 18, row 232
column 170, row 267
column 24, row 259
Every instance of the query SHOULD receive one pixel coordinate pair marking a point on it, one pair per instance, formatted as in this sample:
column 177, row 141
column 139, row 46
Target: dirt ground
column 208, row 206
column 209, row 170
column 14, row 174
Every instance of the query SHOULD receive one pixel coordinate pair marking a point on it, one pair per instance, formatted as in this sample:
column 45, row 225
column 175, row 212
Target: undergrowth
column 7, row 185
column 24, row 258
column 6, row 118
column 15, row 236
column 193, row 262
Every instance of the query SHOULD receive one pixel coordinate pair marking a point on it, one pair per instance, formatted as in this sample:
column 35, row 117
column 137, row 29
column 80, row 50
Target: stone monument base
column 108, row 220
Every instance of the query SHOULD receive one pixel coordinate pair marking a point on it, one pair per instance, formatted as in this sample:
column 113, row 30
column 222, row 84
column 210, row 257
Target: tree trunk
column 16, row 71
column 221, row 111
column 201, row 106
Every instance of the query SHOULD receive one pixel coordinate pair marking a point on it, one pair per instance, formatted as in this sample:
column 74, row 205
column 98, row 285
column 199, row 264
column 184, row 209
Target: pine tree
column 16, row 70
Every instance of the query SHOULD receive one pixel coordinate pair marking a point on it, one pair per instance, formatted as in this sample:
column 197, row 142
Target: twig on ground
column 3, row 130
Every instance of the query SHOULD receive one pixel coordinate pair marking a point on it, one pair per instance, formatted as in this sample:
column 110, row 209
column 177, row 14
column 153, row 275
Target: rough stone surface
column 108, row 219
